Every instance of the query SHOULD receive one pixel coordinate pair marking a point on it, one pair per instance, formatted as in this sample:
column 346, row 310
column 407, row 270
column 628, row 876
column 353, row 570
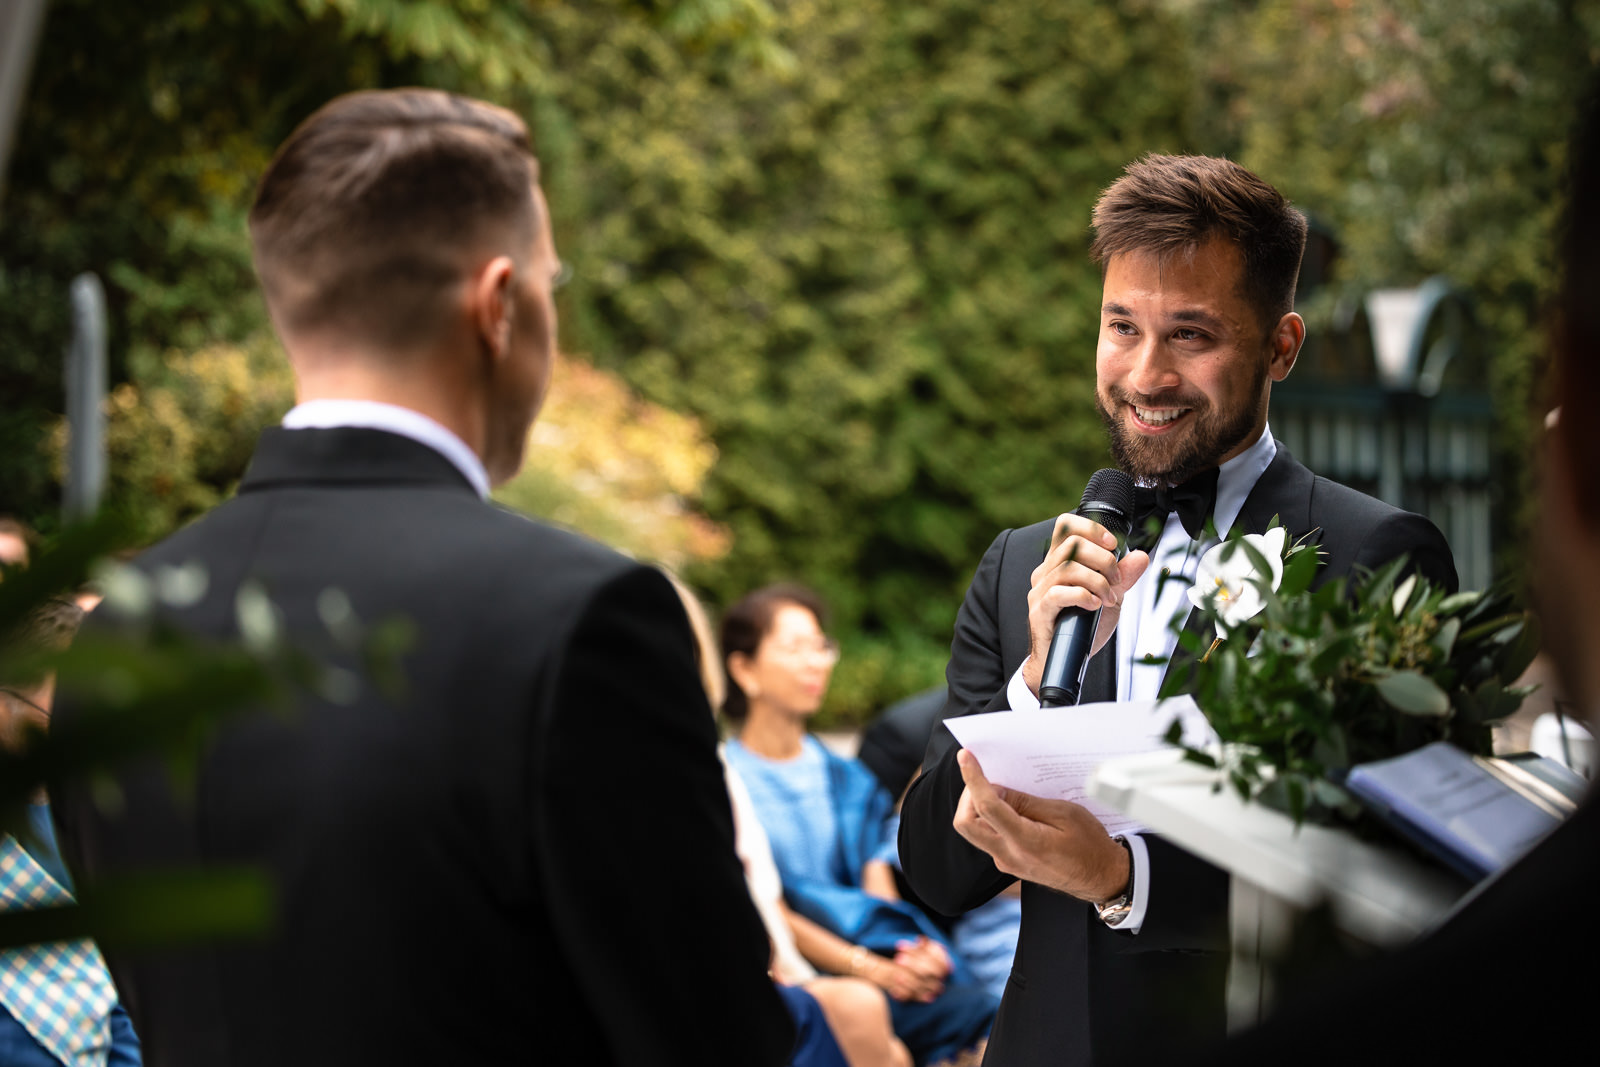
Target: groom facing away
column 1121, row 956
column 527, row 855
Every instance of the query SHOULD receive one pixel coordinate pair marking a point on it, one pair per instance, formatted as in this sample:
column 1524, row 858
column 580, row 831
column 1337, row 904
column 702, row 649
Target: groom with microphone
column 1122, row 956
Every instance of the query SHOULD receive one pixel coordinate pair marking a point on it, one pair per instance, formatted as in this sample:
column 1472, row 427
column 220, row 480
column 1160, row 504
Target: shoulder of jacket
column 1336, row 504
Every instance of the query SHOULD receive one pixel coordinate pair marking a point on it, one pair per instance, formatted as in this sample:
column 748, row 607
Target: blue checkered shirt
column 60, row 992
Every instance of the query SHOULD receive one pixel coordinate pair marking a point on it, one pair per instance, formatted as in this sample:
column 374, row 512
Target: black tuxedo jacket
column 1079, row 992
column 527, row 856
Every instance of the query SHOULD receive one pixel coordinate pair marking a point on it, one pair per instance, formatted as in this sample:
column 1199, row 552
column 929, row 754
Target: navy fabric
column 19, row 1049
column 814, row 1045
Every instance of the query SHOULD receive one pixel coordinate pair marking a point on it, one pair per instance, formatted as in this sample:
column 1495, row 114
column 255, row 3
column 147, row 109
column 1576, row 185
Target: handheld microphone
column 1108, row 500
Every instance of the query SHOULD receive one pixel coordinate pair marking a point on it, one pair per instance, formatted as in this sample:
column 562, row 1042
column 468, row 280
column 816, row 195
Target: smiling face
column 1184, row 361
column 790, row 669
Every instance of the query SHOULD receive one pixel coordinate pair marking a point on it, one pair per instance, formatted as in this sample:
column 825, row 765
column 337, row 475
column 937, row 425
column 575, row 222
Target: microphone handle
column 1068, row 658
column 1061, row 682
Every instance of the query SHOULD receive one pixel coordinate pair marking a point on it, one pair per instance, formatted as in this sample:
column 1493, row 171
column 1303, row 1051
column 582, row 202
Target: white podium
column 1378, row 895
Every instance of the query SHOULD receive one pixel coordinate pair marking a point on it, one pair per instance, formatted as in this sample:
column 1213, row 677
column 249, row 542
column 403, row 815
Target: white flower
column 1228, row 577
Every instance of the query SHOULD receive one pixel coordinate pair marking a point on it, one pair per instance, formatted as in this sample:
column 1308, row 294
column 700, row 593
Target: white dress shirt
column 376, row 415
column 1146, row 636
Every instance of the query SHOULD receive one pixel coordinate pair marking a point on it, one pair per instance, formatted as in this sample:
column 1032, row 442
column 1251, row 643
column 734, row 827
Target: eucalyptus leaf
column 1327, row 793
column 1511, row 633
column 1174, row 683
column 1413, row 694
column 1299, row 570
column 1380, row 586
column 1402, row 594
column 181, row 586
column 1445, row 639
column 1295, row 790
column 1327, row 659
column 1456, row 602
column 1227, row 669
column 1522, row 654
column 1331, row 749
column 257, row 618
column 1491, row 630
column 1355, row 671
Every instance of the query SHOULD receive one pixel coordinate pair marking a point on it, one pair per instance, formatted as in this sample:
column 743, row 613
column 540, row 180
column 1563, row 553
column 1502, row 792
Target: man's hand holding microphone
column 1073, row 606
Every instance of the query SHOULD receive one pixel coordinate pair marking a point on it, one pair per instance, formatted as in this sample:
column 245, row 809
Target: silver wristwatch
column 1115, row 911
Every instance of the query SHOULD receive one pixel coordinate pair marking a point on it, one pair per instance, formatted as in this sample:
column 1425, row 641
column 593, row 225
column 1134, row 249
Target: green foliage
column 869, row 281
column 618, row 468
column 1324, row 679
column 1430, row 137
column 849, row 239
column 180, row 434
column 144, row 130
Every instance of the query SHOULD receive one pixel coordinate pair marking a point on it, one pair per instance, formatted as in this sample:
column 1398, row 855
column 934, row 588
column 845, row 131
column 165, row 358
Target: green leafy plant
column 1355, row 670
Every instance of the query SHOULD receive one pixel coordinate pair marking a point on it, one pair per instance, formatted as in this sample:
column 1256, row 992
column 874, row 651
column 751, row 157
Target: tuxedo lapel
column 1100, row 676
column 1283, row 492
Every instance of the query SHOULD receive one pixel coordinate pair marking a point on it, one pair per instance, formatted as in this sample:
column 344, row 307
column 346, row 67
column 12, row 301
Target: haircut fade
column 371, row 211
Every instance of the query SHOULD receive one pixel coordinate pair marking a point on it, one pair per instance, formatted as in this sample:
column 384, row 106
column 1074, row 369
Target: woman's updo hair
column 746, row 624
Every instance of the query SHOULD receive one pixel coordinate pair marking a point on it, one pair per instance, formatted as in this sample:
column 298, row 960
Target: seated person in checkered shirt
column 58, row 1007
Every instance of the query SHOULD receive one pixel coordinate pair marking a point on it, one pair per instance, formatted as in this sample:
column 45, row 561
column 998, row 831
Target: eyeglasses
column 825, row 648
column 562, row 276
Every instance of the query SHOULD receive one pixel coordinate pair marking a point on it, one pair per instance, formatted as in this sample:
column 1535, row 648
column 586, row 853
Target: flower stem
column 1210, row 650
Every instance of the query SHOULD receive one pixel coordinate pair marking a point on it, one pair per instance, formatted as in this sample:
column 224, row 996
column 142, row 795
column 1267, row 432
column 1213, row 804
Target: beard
column 1177, row 458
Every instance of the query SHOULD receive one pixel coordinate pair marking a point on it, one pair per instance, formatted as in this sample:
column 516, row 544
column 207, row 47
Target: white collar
column 1238, row 476
column 376, row 415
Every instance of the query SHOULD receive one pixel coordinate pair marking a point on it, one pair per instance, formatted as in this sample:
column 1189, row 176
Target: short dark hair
column 47, row 629
column 747, row 623
column 1174, row 204
column 368, row 212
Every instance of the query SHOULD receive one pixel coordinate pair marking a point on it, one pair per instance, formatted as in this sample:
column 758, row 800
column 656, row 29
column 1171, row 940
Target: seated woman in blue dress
column 831, row 827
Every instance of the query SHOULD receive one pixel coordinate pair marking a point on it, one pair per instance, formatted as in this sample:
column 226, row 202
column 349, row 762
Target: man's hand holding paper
column 1031, row 812
column 1054, row 843
column 1050, row 752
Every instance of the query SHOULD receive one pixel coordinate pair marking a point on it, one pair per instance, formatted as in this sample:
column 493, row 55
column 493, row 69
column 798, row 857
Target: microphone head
column 1110, row 495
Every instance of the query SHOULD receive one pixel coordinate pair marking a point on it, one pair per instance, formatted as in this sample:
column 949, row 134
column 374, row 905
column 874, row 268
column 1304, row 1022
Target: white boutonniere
column 1234, row 579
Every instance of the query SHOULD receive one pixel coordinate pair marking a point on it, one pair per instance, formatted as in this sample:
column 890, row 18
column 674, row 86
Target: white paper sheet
column 1050, row 752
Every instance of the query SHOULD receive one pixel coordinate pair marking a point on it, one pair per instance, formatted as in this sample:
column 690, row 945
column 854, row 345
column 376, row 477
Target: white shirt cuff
column 1018, row 695
column 1140, row 857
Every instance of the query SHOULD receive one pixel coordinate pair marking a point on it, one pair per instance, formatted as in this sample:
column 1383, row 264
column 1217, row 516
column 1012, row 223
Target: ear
column 1287, row 337
column 743, row 672
column 490, row 305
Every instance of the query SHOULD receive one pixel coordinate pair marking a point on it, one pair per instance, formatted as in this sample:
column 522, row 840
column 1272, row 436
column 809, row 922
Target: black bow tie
column 1193, row 501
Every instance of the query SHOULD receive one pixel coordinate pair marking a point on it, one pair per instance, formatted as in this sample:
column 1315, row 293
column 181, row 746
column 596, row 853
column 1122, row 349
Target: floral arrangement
column 1301, row 684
